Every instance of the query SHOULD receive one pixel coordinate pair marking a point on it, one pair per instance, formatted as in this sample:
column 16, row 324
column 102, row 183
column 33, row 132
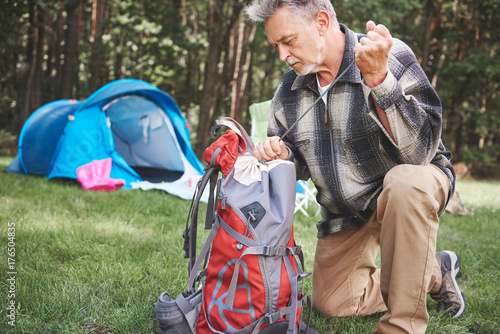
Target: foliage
column 484, row 162
column 189, row 48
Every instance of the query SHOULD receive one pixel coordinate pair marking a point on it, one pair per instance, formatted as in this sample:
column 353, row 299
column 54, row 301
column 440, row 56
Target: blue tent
column 136, row 124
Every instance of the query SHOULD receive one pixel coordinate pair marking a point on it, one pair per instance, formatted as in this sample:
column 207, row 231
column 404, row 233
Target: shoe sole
column 455, row 272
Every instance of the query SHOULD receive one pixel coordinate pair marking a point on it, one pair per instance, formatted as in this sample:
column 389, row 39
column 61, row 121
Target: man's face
column 297, row 42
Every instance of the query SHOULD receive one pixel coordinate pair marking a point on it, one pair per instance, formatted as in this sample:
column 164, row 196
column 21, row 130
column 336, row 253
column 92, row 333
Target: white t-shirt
column 322, row 90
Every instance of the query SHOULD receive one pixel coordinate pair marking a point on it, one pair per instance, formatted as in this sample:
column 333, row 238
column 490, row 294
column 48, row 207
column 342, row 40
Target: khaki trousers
column 346, row 281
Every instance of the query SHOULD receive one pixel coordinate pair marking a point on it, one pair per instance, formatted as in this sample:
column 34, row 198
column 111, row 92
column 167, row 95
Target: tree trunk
column 428, row 34
column 220, row 28
column 238, row 36
column 70, row 50
column 141, row 39
column 241, row 103
column 268, row 75
column 439, row 68
column 96, row 38
column 37, row 93
column 187, row 88
column 78, row 37
column 433, row 19
column 212, row 83
column 184, row 13
column 196, row 17
column 245, row 103
column 54, row 55
column 58, row 39
column 33, row 89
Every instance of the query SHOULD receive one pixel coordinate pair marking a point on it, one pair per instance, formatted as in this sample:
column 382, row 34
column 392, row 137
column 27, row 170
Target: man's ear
column 323, row 22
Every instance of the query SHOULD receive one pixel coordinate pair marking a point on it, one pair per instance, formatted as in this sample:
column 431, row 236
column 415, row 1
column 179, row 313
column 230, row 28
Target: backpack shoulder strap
column 190, row 232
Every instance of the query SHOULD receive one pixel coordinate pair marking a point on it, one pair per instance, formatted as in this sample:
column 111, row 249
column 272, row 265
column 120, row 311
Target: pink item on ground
column 96, row 176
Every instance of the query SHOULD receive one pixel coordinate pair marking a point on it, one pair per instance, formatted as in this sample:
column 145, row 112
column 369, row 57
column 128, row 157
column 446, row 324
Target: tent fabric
column 130, row 121
column 184, row 190
column 134, row 141
column 39, row 136
column 15, row 166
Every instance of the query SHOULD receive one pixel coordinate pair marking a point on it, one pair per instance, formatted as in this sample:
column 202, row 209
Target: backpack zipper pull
column 222, row 199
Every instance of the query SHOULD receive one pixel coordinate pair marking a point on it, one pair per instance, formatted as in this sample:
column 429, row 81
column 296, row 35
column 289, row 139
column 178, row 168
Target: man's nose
column 283, row 52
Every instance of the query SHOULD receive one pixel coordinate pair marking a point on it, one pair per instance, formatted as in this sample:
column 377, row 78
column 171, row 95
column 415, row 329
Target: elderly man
column 372, row 146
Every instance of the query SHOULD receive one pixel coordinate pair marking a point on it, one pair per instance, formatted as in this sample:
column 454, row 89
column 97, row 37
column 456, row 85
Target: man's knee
column 404, row 176
column 404, row 180
column 413, row 187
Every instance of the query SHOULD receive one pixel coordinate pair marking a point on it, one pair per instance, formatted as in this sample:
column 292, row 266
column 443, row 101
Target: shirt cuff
column 386, row 93
column 290, row 157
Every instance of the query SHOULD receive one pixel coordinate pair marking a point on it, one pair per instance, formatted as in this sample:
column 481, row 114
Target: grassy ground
column 90, row 262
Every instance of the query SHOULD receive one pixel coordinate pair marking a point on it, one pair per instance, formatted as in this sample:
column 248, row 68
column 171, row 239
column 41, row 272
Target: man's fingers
column 373, row 35
column 273, row 147
column 256, row 151
column 370, row 25
column 276, row 146
column 260, row 153
column 378, row 36
column 269, row 149
column 380, row 29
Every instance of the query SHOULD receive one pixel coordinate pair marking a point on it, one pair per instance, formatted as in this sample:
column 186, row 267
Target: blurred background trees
column 215, row 63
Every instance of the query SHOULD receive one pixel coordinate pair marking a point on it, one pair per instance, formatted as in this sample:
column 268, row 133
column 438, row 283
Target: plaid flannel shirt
column 344, row 148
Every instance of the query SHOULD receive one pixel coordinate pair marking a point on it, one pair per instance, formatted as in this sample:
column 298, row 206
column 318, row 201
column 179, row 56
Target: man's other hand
column 271, row 148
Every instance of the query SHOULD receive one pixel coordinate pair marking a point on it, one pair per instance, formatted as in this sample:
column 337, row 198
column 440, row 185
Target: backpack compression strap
column 236, row 127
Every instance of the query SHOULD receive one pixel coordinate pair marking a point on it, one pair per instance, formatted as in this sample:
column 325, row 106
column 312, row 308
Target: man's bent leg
column 346, row 281
column 408, row 210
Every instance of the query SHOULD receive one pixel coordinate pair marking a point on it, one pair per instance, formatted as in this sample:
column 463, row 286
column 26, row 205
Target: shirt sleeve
column 412, row 106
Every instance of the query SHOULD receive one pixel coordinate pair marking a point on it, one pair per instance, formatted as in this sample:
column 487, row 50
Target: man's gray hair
column 261, row 11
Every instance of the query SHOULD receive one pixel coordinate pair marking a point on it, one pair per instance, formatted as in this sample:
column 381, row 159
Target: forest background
column 214, row 63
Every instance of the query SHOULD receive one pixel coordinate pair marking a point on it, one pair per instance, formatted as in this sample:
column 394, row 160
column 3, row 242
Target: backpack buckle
column 269, row 251
column 271, row 318
column 216, row 127
column 298, row 250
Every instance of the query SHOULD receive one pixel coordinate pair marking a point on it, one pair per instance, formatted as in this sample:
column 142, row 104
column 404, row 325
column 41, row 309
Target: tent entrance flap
column 143, row 135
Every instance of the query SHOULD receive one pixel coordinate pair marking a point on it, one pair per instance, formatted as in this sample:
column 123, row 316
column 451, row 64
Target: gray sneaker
column 451, row 300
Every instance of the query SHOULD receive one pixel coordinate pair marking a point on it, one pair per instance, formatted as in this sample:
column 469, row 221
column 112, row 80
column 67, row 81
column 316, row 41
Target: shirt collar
column 353, row 75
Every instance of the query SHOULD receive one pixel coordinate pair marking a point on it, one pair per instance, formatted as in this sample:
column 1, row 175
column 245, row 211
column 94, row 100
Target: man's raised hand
column 372, row 53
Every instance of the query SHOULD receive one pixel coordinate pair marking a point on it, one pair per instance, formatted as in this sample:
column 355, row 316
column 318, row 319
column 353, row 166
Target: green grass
column 90, row 262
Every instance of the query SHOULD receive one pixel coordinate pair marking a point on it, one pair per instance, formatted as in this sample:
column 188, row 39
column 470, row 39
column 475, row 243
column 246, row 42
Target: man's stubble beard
column 310, row 68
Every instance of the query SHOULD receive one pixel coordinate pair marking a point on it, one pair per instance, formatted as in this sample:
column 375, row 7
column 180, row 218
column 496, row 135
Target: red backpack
column 249, row 273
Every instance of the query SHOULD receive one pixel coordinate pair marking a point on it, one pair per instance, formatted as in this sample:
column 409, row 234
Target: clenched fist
column 271, row 148
column 372, row 53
